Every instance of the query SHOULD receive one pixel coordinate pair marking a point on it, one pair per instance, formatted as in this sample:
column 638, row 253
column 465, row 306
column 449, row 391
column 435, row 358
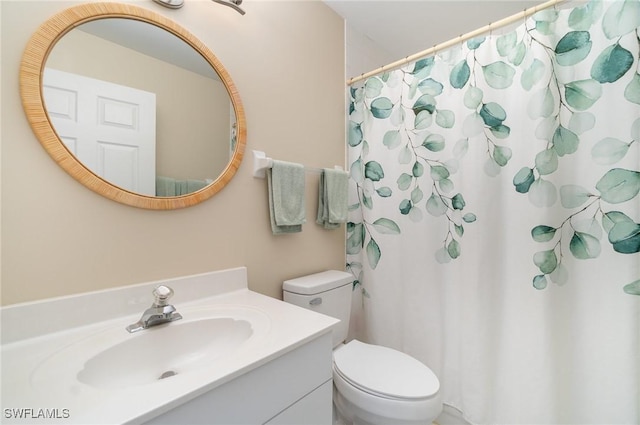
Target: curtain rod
column 487, row 28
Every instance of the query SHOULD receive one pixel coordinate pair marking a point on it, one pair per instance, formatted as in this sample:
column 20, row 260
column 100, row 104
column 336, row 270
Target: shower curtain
column 494, row 217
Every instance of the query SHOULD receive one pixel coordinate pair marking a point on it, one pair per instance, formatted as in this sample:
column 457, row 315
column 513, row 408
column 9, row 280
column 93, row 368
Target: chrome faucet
column 160, row 311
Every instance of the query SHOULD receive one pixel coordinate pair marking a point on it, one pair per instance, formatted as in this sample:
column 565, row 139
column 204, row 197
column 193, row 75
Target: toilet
column 372, row 385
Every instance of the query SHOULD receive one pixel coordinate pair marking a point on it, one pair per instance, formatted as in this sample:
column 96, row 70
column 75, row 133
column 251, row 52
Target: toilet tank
column 327, row 292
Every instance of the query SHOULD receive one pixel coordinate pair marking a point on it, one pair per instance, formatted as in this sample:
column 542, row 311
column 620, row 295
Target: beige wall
column 59, row 238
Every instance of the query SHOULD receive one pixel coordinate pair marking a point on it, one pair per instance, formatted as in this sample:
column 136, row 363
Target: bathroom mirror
column 132, row 106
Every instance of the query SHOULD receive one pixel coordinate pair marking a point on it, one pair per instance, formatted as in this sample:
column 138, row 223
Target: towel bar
column 261, row 162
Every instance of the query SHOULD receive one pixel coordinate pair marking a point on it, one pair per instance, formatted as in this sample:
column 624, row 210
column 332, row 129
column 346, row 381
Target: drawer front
column 264, row 393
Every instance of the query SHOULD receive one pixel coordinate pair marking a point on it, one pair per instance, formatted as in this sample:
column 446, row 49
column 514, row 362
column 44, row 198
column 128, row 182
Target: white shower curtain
column 494, row 221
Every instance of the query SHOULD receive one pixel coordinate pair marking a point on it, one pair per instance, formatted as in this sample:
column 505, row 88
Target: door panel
column 110, row 128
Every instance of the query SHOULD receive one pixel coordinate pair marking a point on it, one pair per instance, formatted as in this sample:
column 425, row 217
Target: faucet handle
column 162, row 294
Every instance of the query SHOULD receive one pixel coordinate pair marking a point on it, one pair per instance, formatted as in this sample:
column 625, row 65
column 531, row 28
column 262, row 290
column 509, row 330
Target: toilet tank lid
column 317, row 282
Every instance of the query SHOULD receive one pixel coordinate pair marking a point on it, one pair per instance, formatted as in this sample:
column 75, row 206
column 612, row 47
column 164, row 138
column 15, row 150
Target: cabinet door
column 314, row 409
column 263, row 394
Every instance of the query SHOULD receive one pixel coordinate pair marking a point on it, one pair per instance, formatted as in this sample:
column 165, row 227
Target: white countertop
column 25, row 385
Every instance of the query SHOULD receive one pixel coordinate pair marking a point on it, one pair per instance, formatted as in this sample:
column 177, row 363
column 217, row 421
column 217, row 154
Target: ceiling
column 150, row 40
column 404, row 27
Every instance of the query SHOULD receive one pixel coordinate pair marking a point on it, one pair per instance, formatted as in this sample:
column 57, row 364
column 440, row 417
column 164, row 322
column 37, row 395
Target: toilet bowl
column 378, row 385
column 373, row 385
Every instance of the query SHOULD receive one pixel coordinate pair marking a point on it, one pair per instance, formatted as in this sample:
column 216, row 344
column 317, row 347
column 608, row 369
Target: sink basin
column 115, row 359
column 164, row 351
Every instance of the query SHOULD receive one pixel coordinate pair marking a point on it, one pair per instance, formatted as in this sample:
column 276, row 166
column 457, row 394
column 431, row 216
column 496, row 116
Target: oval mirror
column 132, row 106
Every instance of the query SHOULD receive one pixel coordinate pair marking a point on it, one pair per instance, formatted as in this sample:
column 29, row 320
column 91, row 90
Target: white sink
column 72, row 356
column 116, row 359
column 164, row 351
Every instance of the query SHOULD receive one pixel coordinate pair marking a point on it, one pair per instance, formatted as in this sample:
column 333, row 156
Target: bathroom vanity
column 235, row 357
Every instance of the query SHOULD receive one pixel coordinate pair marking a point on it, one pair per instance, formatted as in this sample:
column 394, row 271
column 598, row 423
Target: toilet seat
column 384, row 372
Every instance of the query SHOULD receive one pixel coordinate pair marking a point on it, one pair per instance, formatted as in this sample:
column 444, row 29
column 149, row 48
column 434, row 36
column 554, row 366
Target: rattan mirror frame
column 31, row 71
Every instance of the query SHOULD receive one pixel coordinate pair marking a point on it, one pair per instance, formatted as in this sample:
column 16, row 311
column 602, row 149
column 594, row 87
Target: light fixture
column 234, row 4
column 171, row 4
column 177, row 4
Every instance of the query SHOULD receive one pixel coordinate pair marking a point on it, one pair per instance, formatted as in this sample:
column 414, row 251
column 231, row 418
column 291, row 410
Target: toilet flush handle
column 316, row 301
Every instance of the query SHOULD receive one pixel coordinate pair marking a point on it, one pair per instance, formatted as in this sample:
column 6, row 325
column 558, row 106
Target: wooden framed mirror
column 44, row 48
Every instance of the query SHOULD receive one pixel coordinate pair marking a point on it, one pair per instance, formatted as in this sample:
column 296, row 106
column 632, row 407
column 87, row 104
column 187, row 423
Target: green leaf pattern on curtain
column 561, row 106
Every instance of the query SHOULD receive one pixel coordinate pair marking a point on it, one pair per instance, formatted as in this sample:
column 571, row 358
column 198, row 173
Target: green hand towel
column 286, row 183
column 181, row 187
column 165, row 186
column 332, row 198
column 195, row 185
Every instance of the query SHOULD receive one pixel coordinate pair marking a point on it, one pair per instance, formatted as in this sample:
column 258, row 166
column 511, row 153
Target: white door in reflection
column 110, row 128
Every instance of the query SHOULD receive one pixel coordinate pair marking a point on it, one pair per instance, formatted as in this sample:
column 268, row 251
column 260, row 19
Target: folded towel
column 332, row 198
column 195, row 185
column 181, row 187
column 286, row 183
column 165, row 186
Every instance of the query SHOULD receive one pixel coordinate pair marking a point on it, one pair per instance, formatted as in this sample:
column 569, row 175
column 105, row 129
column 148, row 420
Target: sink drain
column 167, row 374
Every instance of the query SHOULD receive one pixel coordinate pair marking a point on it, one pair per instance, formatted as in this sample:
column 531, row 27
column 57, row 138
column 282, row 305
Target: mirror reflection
column 139, row 107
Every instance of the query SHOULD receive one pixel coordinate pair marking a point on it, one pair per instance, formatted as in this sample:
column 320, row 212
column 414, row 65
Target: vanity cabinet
column 279, row 373
column 294, row 388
